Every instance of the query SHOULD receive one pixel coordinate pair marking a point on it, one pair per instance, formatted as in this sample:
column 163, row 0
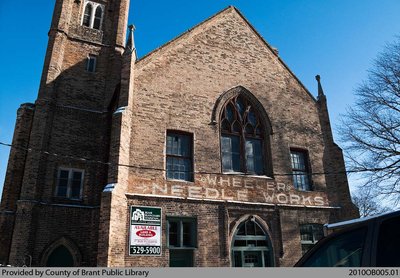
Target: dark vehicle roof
column 344, row 226
column 358, row 221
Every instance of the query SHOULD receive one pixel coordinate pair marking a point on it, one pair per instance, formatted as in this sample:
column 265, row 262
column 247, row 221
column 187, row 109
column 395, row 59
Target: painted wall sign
column 145, row 231
column 232, row 188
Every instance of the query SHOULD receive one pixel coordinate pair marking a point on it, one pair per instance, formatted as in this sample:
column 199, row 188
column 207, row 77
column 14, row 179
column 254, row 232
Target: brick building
column 211, row 131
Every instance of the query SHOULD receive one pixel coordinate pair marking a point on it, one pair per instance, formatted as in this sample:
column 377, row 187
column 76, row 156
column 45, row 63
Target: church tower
column 58, row 166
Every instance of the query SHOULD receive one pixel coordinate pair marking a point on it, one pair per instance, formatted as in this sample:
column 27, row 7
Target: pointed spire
column 320, row 90
column 130, row 45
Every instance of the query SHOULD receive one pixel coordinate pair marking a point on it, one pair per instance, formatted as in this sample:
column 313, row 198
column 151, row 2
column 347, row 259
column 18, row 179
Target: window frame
column 94, row 5
column 244, row 136
column 314, row 241
column 69, row 184
column 100, row 19
column 84, row 14
column 189, row 157
column 91, row 57
column 265, row 252
column 306, row 172
column 193, row 232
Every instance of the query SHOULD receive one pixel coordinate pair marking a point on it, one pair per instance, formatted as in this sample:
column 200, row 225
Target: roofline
column 359, row 220
column 252, row 28
column 183, row 34
column 274, row 52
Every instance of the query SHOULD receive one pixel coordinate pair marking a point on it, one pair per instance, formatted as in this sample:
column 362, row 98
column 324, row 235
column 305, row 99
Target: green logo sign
column 145, row 231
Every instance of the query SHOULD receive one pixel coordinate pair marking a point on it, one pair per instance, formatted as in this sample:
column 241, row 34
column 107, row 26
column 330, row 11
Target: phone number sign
column 145, row 231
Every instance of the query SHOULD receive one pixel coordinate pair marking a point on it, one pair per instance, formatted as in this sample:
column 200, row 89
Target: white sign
column 145, row 231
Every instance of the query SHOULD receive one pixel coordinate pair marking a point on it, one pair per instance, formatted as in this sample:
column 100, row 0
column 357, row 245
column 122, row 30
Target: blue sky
column 337, row 39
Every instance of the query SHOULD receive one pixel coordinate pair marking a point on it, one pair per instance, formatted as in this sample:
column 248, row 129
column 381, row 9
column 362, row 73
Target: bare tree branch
column 367, row 205
column 370, row 130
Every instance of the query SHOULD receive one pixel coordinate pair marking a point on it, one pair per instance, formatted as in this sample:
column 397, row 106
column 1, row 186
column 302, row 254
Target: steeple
column 336, row 183
column 320, row 90
column 323, row 113
column 130, row 45
column 127, row 70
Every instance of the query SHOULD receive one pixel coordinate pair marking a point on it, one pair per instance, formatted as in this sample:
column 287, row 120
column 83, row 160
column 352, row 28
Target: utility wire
column 164, row 170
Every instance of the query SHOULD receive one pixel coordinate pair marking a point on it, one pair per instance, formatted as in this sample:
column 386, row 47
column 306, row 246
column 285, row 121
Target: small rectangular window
column 91, row 63
column 310, row 234
column 182, row 239
column 179, row 156
column 301, row 170
column 182, row 232
column 69, row 184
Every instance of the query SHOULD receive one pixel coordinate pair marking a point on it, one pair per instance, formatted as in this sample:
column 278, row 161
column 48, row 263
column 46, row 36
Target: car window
column 345, row 250
column 388, row 248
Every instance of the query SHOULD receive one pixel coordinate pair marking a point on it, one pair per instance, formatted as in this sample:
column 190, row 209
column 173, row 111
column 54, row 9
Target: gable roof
column 229, row 8
column 183, row 34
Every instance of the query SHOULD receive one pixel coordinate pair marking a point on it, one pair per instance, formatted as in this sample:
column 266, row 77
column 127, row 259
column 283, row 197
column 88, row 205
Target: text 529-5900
column 145, row 250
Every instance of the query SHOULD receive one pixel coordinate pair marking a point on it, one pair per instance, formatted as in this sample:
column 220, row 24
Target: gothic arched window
column 60, row 257
column 97, row 18
column 61, row 253
column 87, row 15
column 251, row 246
column 242, row 137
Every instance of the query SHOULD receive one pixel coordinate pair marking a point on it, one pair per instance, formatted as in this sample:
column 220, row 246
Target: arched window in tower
column 93, row 15
column 98, row 17
column 242, row 137
column 87, row 16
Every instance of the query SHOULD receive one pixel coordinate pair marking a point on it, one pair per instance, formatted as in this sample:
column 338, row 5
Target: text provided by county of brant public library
column 73, row 273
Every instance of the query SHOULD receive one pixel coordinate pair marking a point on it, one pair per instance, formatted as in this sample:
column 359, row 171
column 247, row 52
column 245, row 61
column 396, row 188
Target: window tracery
column 242, row 137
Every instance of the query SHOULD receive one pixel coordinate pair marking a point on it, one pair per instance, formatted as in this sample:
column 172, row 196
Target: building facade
column 207, row 152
